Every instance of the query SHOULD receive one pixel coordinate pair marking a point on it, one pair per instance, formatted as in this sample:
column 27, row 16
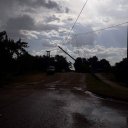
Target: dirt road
column 59, row 101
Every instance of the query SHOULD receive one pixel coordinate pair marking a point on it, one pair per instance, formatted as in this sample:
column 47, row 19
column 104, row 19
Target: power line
column 76, row 20
column 102, row 29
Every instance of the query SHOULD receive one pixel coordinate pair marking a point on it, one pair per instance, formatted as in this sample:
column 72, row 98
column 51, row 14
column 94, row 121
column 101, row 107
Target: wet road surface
column 60, row 104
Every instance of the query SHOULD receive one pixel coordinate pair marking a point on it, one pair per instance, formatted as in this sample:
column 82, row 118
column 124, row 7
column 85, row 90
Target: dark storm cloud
column 13, row 8
column 25, row 22
column 15, row 24
column 32, row 3
column 21, row 22
column 38, row 3
column 17, row 15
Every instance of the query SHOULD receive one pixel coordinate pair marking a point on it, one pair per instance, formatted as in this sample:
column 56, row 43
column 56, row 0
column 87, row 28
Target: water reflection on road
column 64, row 108
column 90, row 111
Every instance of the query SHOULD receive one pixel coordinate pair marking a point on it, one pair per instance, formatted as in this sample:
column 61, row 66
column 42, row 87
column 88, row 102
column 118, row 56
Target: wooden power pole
column 127, row 41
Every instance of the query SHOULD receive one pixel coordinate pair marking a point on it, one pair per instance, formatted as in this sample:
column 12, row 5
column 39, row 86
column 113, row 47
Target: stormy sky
column 44, row 24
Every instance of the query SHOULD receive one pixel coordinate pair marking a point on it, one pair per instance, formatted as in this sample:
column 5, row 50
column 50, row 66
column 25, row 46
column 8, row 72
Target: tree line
column 93, row 65
column 16, row 60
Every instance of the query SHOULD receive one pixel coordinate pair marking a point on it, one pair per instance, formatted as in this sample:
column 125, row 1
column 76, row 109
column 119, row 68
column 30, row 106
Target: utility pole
column 67, row 53
column 48, row 54
column 127, row 41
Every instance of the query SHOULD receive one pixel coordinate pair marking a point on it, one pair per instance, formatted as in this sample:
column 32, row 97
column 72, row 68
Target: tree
column 9, row 50
column 104, row 65
column 93, row 63
column 61, row 63
column 121, row 71
column 81, row 65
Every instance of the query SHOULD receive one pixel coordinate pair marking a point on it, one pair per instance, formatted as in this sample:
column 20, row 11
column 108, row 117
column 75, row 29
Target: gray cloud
column 16, row 24
column 32, row 3
column 67, row 10
column 24, row 22
column 40, row 3
column 113, row 54
column 39, row 20
column 118, row 10
column 51, row 18
column 13, row 8
column 14, row 18
column 116, row 37
column 27, row 25
column 81, row 40
column 47, row 27
column 40, row 46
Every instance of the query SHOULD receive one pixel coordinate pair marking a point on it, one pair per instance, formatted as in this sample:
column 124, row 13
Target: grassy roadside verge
column 98, row 87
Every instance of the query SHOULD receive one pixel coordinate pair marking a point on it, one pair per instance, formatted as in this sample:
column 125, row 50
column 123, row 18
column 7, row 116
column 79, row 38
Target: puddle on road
column 92, row 110
column 65, row 108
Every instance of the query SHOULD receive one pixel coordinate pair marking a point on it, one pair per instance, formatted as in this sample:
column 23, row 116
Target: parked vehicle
column 51, row 70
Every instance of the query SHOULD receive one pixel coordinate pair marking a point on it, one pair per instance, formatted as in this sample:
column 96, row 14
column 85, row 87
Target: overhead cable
column 76, row 21
column 102, row 29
